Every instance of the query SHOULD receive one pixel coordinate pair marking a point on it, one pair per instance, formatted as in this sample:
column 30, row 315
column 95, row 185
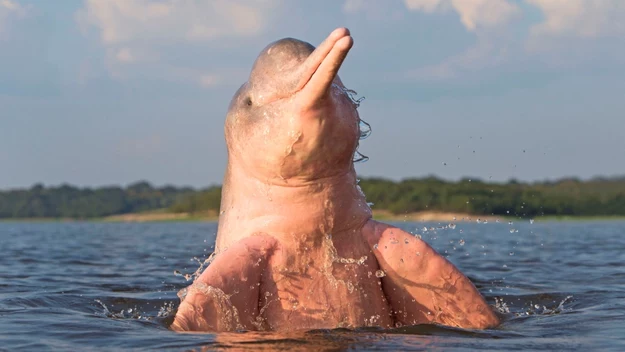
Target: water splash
column 501, row 306
column 124, row 313
column 359, row 158
column 166, row 310
column 202, row 265
column 532, row 309
column 364, row 128
column 543, row 310
column 260, row 322
column 333, row 257
column 227, row 311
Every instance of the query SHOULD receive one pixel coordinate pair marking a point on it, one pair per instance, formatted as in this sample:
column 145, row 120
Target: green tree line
column 566, row 197
column 72, row 202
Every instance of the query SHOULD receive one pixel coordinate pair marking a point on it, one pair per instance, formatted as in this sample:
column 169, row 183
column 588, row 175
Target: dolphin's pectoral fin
column 225, row 297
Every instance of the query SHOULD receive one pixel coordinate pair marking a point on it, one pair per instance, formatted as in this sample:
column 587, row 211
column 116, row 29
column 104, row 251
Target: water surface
column 106, row 286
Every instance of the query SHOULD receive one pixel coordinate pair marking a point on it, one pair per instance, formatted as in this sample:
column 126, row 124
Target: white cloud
column 142, row 146
column 580, row 18
column 427, row 6
column 484, row 54
column 567, row 37
column 209, row 80
column 485, row 18
column 9, row 5
column 138, row 35
column 474, row 14
column 352, row 6
column 9, row 10
column 124, row 55
column 127, row 21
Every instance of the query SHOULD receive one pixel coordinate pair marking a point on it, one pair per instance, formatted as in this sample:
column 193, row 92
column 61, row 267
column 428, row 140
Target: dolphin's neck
column 331, row 205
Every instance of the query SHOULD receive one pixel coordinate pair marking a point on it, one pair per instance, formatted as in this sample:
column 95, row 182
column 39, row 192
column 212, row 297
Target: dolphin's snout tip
column 342, row 39
column 344, row 43
column 340, row 32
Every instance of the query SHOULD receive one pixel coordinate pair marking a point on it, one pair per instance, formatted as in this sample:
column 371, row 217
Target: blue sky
column 113, row 91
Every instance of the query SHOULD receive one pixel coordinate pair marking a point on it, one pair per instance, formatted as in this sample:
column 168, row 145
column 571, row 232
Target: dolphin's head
column 294, row 119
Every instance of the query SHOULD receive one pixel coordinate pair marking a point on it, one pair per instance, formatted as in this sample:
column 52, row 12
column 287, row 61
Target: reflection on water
column 74, row 286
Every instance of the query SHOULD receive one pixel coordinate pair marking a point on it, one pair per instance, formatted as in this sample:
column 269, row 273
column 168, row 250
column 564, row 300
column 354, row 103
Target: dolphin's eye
column 248, row 101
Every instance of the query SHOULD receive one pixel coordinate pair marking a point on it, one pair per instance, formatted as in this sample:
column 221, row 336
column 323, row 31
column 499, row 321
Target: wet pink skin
column 297, row 247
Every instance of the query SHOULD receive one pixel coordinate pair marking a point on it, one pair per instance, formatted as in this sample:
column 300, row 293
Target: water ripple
column 89, row 286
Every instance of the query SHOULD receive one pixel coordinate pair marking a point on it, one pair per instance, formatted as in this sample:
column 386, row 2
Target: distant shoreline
column 383, row 215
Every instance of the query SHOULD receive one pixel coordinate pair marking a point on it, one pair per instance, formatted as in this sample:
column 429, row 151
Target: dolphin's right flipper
column 225, row 297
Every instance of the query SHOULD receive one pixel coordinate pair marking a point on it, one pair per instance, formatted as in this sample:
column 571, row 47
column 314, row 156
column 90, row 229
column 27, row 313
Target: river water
column 110, row 286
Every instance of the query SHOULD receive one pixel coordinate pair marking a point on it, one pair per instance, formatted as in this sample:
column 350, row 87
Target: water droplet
column 531, row 221
column 380, row 273
column 365, row 129
column 461, row 242
column 359, row 158
column 375, row 246
column 350, row 287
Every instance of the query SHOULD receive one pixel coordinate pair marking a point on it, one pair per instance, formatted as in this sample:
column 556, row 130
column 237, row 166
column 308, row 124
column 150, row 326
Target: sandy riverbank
column 424, row 216
column 162, row 216
column 429, row 216
column 377, row 215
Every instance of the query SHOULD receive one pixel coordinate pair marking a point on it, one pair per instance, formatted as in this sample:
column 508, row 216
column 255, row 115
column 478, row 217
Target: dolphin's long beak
column 320, row 68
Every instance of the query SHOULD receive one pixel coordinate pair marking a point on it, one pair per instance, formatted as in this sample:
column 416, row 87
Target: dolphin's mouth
column 321, row 67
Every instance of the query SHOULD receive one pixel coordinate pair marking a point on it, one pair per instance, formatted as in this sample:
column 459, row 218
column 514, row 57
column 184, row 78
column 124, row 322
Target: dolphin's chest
column 320, row 291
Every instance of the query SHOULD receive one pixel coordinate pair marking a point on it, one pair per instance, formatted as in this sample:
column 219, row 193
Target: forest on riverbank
column 565, row 197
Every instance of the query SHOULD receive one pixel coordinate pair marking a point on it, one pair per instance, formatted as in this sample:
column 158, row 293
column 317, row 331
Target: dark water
column 99, row 286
